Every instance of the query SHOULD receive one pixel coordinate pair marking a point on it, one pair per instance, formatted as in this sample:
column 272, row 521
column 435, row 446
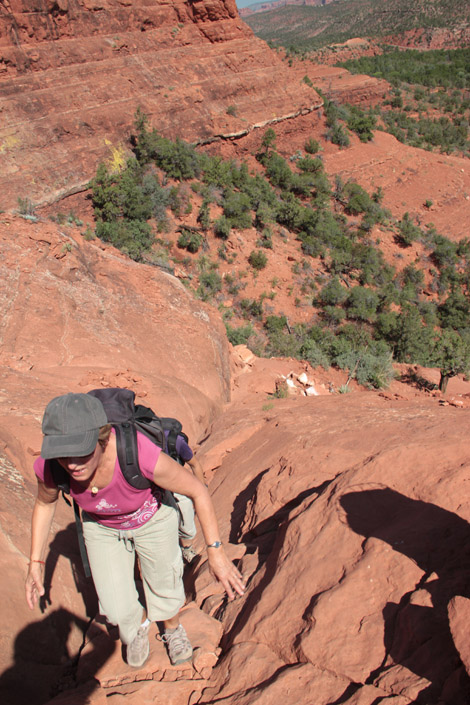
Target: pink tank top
column 118, row 505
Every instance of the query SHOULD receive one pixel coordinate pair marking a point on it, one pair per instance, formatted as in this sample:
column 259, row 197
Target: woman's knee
column 126, row 616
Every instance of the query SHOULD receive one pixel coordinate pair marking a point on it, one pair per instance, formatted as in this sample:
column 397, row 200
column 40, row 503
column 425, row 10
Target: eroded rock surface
column 352, row 513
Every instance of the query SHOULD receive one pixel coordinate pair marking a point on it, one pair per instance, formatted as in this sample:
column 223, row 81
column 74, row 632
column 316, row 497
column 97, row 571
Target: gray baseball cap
column 71, row 426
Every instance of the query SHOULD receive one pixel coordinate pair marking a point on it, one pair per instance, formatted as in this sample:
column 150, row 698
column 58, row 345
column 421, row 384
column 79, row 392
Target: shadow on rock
column 417, row 633
column 43, row 666
column 65, row 543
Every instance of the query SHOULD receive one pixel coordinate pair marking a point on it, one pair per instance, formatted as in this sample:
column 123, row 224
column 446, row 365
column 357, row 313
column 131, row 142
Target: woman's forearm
column 171, row 476
column 43, row 514
column 206, row 515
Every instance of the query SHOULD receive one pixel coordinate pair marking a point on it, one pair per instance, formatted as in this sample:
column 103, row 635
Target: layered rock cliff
column 72, row 74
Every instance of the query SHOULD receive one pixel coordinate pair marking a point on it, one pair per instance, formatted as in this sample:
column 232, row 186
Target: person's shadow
column 65, row 543
column 43, row 664
column 416, row 636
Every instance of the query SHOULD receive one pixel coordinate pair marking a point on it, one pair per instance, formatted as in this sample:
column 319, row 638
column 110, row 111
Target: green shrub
column 222, row 227
column 239, row 336
column 190, row 240
column 266, row 239
column 359, row 200
column 251, row 308
column 361, row 123
column 236, row 207
column 338, row 135
column 210, row 283
column 290, row 211
column 309, row 165
column 217, row 171
column 444, row 252
column 362, row 304
column 89, row 233
column 371, row 264
column 452, row 355
column 333, row 315
column 311, row 245
column 275, row 324
column 278, row 171
column 132, row 237
column 412, row 340
column 371, row 365
column 312, row 352
column 408, row 232
column 333, row 293
column 312, row 146
column 454, row 312
column 177, row 159
column 203, row 217
column 257, row 259
column 157, row 196
column 269, row 140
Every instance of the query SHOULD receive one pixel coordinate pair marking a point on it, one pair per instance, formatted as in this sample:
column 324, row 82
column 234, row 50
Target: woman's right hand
column 43, row 514
column 34, row 585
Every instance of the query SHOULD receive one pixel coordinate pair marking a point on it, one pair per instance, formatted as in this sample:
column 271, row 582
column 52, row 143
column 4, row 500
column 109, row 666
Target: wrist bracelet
column 36, row 560
column 216, row 544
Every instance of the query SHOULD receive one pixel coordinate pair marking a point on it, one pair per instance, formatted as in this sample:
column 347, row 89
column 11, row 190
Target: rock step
column 101, row 658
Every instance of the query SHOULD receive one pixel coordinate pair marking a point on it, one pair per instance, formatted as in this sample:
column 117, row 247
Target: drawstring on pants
column 128, row 539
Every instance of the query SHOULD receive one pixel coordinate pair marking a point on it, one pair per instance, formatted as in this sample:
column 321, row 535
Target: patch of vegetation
column 190, row 240
column 365, row 315
column 424, row 83
column 26, row 206
column 258, row 259
column 440, row 67
column 240, row 335
column 302, row 28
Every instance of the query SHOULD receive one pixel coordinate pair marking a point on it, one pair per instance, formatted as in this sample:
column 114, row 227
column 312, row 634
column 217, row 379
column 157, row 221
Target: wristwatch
column 216, row 544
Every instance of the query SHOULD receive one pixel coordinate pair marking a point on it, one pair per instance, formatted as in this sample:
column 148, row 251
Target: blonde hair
column 105, row 432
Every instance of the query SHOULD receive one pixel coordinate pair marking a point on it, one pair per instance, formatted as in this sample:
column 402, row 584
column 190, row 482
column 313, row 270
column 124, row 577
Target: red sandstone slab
column 203, row 632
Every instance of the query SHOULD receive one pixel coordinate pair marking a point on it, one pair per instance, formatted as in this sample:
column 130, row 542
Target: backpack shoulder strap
column 60, row 478
column 81, row 540
column 128, row 456
column 120, row 410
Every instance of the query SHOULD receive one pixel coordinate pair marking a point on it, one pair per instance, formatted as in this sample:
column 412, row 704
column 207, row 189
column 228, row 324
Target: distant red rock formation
column 73, row 74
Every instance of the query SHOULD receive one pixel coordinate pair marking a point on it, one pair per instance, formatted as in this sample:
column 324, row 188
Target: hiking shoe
column 178, row 645
column 189, row 554
column 138, row 649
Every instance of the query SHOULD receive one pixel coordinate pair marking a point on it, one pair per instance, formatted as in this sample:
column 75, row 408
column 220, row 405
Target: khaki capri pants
column 111, row 553
column 187, row 526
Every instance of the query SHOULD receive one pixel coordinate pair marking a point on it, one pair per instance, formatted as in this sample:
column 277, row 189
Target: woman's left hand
column 226, row 572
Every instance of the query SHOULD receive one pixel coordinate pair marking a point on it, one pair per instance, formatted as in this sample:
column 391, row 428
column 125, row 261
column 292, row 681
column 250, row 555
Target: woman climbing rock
column 120, row 521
